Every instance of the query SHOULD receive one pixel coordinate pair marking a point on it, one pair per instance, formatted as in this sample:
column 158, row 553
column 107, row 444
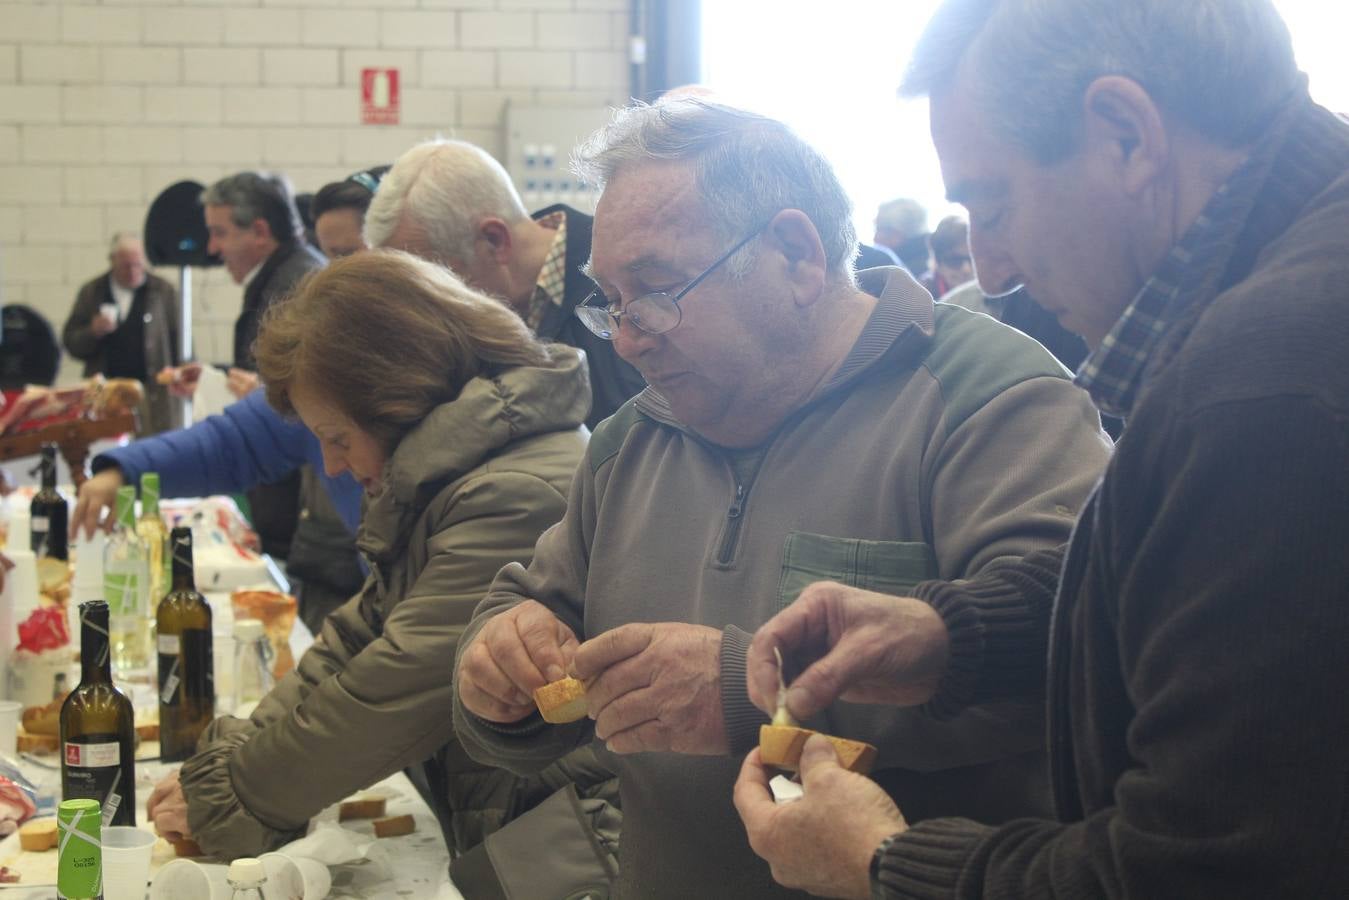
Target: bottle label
column 99, row 770
column 40, row 524
column 168, row 645
column 124, row 588
column 192, row 670
column 93, row 756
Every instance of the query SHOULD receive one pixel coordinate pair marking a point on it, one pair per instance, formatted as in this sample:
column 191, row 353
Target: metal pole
column 185, row 331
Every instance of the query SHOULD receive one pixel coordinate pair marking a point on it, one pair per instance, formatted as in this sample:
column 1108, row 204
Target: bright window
column 830, row 68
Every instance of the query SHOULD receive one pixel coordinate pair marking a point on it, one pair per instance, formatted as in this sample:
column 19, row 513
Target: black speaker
column 175, row 230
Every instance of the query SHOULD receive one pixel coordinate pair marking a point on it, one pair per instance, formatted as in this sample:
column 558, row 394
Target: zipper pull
column 738, row 504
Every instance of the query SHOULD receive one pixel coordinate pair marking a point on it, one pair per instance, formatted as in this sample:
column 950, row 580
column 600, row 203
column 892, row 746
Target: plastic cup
column 126, row 862
column 9, row 726
column 295, row 877
column 183, row 879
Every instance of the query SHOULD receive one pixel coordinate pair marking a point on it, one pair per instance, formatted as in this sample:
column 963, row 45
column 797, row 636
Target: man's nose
column 630, row 342
column 995, row 270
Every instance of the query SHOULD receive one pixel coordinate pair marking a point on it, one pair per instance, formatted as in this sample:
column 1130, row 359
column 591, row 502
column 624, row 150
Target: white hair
column 1221, row 66
column 122, row 239
column 443, row 188
column 747, row 167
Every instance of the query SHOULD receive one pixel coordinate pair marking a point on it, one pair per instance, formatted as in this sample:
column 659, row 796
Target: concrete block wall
column 103, row 103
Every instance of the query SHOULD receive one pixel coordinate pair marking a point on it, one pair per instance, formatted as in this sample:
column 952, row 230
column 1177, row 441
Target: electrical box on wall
column 539, row 143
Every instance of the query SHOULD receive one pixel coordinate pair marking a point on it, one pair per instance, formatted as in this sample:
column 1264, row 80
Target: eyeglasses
column 654, row 313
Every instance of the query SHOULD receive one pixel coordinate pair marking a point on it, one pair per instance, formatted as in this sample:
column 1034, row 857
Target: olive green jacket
column 466, row 492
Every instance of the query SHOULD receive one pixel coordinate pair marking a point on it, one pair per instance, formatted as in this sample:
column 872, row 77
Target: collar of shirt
column 252, row 273
column 123, row 297
column 1113, row 373
column 552, row 280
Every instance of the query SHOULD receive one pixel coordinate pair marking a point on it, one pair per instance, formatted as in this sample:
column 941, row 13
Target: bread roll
column 780, row 746
column 38, row 836
column 367, row 808
column 562, row 701
column 395, row 826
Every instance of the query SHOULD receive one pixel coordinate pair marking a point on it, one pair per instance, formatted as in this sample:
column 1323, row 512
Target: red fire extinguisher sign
column 379, row 96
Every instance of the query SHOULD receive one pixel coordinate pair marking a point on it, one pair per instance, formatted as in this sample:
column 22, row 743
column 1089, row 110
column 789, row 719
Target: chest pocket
column 887, row 567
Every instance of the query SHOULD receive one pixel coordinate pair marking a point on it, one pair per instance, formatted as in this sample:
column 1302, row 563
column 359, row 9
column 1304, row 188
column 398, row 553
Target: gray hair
column 905, row 215
column 747, row 168
column 258, row 195
column 444, row 188
column 1221, row 66
column 121, row 239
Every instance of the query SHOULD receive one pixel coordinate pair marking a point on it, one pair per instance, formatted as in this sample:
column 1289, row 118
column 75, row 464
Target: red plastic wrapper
column 45, row 629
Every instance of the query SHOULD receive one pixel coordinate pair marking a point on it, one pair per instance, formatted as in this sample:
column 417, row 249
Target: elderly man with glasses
column 801, row 432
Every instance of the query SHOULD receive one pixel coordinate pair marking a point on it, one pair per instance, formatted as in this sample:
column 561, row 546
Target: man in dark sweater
column 124, row 324
column 1157, row 175
column 451, row 202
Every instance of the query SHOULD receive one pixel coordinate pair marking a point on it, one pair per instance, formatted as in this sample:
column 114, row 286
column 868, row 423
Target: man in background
column 452, row 203
column 124, row 324
column 901, row 227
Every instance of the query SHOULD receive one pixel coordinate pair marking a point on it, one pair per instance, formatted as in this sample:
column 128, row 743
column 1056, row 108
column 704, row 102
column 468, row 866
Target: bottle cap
column 246, row 872
column 248, row 629
column 79, row 865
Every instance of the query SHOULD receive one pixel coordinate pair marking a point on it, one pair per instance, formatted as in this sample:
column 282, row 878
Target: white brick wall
column 104, row 103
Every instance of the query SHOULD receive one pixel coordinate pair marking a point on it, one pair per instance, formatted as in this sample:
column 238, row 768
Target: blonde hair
column 387, row 337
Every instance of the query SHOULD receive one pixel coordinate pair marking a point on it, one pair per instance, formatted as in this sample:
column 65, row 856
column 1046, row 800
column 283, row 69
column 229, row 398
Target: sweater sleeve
column 356, row 708
column 78, row 333
column 1223, row 545
column 555, row 578
column 248, row 444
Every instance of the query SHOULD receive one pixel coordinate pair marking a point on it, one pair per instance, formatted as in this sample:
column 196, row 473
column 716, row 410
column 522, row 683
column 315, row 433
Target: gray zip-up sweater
column 944, row 443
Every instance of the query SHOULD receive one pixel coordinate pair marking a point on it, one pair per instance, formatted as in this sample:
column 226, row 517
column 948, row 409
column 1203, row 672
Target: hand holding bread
column 517, row 652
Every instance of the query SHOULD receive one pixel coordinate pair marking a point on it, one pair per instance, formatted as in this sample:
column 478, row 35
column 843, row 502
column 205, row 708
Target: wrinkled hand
column 856, row 645
column 96, row 495
column 241, row 382
column 824, row 841
column 167, row 809
column 102, row 325
column 655, row 687
column 185, row 378
column 515, row 654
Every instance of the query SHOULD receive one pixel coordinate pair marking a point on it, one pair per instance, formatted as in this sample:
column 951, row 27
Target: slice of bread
column 365, row 808
column 781, row 745
column 38, row 743
column 38, row 835
column 394, row 826
column 562, row 701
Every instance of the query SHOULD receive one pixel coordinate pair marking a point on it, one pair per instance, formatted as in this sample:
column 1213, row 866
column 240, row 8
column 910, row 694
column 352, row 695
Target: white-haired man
column 798, row 428
column 1157, row 175
column 451, row 202
column 124, row 324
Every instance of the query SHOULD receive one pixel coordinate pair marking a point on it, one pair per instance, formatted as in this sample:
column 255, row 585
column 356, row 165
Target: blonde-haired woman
column 464, row 431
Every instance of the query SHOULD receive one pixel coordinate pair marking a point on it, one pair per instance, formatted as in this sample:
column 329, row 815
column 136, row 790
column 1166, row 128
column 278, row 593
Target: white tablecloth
column 411, row 867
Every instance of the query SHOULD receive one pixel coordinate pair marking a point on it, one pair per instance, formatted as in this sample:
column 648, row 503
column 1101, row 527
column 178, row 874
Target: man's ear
column 1125, row 130
column 497, row 235
column 261, row 230
column 793, row 235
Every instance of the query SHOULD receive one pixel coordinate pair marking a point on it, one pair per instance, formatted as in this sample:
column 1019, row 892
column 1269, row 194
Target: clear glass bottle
column 252, row 663
column 246, row 876
column 150, row 527
column 126, row 587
